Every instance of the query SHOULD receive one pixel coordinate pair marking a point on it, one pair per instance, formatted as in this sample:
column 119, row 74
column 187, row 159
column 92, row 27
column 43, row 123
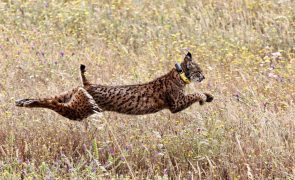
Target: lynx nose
column 202, row 78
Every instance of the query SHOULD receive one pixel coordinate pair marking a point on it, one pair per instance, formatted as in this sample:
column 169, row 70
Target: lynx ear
column 188, row 57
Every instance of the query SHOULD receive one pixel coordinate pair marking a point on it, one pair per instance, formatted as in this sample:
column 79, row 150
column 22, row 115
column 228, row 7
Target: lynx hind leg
column 83, row 77
column 80, row 106
column 26, row 102
column 76, row 104
column 48, row 102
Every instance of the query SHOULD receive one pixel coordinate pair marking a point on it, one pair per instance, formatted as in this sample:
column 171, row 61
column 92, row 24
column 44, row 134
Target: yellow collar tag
column 184, row 78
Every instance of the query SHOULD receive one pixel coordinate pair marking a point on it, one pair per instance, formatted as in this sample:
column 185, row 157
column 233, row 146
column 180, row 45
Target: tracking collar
column 182, row 75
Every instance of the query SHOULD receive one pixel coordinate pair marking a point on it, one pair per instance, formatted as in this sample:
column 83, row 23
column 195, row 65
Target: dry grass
column 246, row 49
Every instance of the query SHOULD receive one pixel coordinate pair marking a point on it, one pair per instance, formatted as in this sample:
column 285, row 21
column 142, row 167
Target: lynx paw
column 24, row 102
column 209, row 97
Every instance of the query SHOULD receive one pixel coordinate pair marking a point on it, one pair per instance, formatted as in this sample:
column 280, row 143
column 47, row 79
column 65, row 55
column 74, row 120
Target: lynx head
column 191, row 69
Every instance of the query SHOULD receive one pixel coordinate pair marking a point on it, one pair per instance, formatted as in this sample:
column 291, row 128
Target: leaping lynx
column 165, row 92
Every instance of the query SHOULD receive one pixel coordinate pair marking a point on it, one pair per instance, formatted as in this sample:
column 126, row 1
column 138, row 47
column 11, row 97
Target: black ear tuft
column 188, row 56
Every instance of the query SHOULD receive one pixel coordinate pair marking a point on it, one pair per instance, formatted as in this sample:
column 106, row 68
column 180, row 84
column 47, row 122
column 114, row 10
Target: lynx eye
column 188, row 66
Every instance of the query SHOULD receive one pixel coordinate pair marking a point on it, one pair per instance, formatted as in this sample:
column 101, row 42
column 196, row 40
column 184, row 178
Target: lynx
column 165, row 92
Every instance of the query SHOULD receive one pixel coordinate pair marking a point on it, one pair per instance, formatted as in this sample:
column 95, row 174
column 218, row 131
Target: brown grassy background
column 246, row 49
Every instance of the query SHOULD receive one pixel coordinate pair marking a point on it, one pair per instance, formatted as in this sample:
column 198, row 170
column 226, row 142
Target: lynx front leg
column 76, row 104
column 180, row 101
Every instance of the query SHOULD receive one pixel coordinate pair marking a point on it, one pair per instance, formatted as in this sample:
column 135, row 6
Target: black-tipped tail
column 82, row 68
column 83, row 77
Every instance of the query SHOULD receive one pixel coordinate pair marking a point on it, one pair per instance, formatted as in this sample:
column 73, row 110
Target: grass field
column 245, row 47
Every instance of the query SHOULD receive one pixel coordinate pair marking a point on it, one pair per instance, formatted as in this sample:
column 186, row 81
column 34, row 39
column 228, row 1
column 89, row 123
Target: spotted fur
column 166, row 92
column 76, row 104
